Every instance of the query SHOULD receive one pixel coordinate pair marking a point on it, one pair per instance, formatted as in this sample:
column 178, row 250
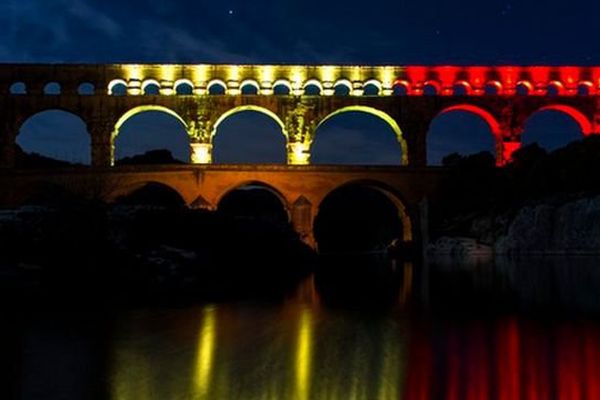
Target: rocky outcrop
column 568, row 228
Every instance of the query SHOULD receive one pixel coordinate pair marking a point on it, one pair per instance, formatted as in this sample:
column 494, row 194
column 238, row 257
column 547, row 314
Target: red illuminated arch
column 578, row 116
column 485, row 115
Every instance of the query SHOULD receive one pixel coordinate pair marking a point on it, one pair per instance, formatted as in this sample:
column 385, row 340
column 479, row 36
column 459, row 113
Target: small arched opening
column 313, row 88
column 18, row 88
column 183, row 87
column 86, row 89
column 117, row 87
column 216, row 87
column 150, row 87
column 282, row 87
column 250, row 88
column 52, row 88
column 372, row 87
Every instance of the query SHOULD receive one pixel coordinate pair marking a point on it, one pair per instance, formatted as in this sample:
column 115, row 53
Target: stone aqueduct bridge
column 299, row 98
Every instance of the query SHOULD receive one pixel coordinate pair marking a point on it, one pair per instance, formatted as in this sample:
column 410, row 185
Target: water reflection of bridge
column 301, row 189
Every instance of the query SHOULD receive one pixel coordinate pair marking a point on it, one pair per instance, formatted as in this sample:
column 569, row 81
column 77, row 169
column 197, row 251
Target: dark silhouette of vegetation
column 35, row 160
column 475, row 188
column 151, row 157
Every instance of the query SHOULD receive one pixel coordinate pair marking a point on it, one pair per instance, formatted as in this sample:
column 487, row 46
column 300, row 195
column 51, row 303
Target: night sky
column 259, row 31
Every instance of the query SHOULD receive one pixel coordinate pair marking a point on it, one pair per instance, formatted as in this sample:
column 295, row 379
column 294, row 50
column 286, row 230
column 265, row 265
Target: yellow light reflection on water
column 304, row 355
column 205, row 353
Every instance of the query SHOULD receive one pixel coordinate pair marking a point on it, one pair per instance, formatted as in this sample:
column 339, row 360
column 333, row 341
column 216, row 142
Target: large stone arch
column 261, row 184
column 377, row 113
column 248, row 107
column 24, row 118
column 131, row 187
column 135, row 111
column 491, row 120
column 405, row 215
column 582, row 120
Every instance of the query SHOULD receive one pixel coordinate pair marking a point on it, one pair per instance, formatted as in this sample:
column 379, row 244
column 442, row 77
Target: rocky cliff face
column 573, row 227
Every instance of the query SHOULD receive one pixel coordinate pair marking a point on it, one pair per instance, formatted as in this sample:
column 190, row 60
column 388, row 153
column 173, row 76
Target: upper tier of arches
column 297, row 80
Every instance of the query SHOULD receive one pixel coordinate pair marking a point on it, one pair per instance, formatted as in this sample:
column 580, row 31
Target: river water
column 362, row 329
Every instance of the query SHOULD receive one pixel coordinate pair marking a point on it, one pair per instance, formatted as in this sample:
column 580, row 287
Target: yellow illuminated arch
column 149, row 82
column 180, row 82
column 141, row 109
column 114, row 83
column 252, row 83
column 380, row 114
column 134, row 111
column 344, row 82
column 315, row 82
column 283, row 82
column 249, row 108
column 216, row 82
column 375, row 83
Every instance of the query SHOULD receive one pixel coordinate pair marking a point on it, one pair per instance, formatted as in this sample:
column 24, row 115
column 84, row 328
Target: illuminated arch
column 250, row 82
column 380, row 114
column 283, row 82
column 249, row 107
column 401, row 83
column 259, row 184
column 389, row 193
column 583, row 121
column 181, row 82
column 463, row 84
column 484, row 114
column 496, row 85
column 373, row 82
column 140, row 109
column 218, row 82
column 524, row 84
column 432, row 84
column 150, row 82
column 585, row 88
column 114, row 83
column 560, row 88
column 78, row 129
column 314, row 82
column 343, row 82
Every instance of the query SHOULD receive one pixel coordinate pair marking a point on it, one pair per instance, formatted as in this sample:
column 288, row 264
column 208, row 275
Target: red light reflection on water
column 511, row 360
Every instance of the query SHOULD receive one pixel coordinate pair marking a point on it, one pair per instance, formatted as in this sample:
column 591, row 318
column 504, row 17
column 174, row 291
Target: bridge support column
column 199, row 131
column 201, row 153
column 102, row 143
column 302, row 217
column 298, row 153
column 416, row 140
column 300, row 126
column 508, row 148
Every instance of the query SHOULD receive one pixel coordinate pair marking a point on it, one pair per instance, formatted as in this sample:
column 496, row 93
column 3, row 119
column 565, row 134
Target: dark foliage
column 161, row 156
column 474, row 187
